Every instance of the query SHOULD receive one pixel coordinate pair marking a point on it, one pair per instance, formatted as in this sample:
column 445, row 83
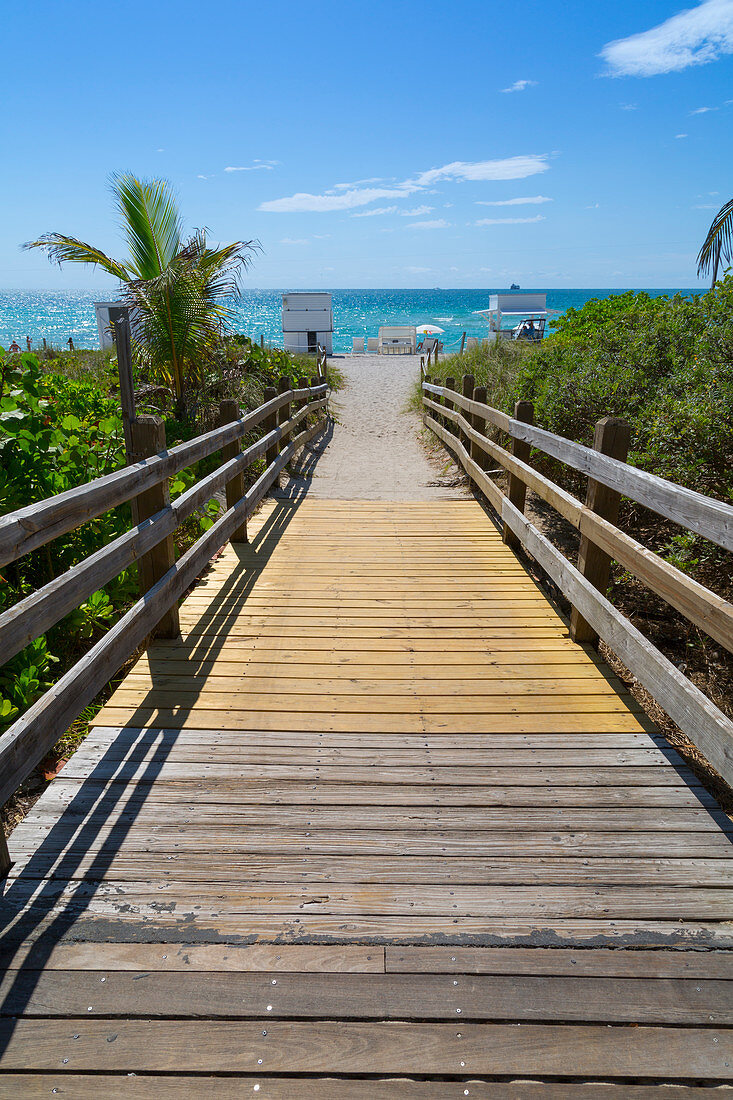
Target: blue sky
column 391, row 143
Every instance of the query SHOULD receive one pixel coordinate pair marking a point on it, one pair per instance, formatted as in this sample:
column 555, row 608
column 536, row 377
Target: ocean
column 58, row 315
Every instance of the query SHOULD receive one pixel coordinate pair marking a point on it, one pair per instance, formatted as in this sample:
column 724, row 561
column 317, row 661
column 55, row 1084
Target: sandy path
column 374, row 453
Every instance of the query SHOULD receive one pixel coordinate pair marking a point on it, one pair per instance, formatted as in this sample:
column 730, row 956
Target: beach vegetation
column 665, row 365
column 60, row 427
column 179, row 288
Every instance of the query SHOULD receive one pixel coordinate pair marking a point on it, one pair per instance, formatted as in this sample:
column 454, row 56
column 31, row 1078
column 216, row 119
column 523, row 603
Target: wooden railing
column 460, row 420
column 163, row 580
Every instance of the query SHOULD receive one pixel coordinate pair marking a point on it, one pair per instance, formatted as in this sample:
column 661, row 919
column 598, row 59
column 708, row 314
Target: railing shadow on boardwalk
column 27, row 901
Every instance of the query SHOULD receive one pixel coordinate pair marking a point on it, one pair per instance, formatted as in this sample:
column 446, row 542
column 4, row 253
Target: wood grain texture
column 142, row 1087
column 708, row 517
column 368, row 829
column 293, row 1046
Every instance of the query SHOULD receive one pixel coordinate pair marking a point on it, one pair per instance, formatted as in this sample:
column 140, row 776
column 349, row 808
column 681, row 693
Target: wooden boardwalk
column 372, row 812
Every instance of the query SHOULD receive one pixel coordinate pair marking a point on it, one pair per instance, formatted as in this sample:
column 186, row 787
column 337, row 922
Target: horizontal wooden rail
column 37, row 524
column 704, row 608
column 693, row 712
column 713, row 519
column 32, row 616
column 35, row 732
column 686, row 705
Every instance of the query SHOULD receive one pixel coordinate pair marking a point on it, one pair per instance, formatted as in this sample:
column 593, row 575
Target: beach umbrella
column 429, row 330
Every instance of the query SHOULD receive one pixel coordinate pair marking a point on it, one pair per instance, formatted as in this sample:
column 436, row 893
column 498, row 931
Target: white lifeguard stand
column 307, row 321
column 516, row 308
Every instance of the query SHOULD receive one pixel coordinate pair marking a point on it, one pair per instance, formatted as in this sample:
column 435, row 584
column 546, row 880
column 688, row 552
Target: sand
column 373, row 452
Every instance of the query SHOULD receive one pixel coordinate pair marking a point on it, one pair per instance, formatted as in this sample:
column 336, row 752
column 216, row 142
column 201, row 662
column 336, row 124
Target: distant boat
column 515, row 286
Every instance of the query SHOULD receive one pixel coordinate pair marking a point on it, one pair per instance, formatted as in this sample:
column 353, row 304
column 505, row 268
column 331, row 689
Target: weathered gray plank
column 404, row 996
column 142, row 1087
column 608, row 962
column 294, row 1046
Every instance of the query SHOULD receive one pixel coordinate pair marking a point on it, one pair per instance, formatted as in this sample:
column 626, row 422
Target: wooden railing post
column 463, row 343
column 468, row 383
column 268, row 424
column 5, row 861
column 148, row 439
column 449, row 384
column 478, row 454
column 283, row 414
column 284, row 384
column 517, row 490
column 430, row 396
column 228, row 412
column 612, row 438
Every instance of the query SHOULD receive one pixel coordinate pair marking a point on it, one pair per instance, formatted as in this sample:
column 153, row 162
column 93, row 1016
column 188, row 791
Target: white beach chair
column 357, row 344
column 372, row 344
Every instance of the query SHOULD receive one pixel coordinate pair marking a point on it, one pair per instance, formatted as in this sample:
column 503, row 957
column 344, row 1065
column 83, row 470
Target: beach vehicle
column 516, row 316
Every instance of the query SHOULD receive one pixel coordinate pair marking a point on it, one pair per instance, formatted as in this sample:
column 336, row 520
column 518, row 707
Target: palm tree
column 179, row 288
column 719, row 242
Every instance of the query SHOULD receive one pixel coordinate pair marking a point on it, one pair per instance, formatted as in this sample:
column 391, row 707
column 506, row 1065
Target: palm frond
column 718, row 243
column 151, row 222
column 61, row 250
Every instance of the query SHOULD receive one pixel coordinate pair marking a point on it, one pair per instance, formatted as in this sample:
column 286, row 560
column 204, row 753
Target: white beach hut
column 307, row 321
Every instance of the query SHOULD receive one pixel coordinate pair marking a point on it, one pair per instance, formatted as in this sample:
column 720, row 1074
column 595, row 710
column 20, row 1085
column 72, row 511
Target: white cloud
column 266, row 165
column 377, row 211
column 199, row 177
column 417, row 270
column 510, row 221
column 678, row 136
column 436, row 223
column 341, row 198
column 510, row 168
column 702, row 110
column 303, row 202
column 706, row 206
column 629, row 106
column 358, row 183
column 519, row 86
column 692, row 37
column 533, row 200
